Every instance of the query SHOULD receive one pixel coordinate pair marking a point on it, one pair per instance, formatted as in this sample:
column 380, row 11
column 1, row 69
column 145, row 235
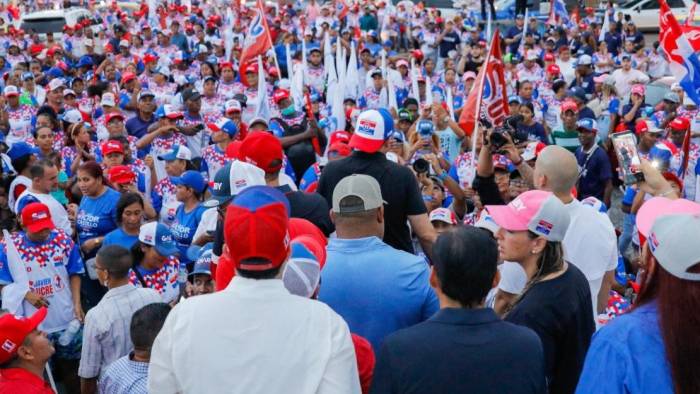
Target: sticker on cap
column 39, row 215
column 367, row 127
column 544, row 227
column 653, row 242
column 148, row 238
column 8, row 346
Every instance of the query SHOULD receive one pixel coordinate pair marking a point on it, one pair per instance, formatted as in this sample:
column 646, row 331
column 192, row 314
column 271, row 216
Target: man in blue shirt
column 138, row 125
column 594, row 166
column 377, row 289
column 515, row 34
column 464, row 347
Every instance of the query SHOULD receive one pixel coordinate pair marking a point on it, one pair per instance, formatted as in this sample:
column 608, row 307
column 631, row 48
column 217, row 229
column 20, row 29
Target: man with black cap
column 192, row 122
column 578, row 95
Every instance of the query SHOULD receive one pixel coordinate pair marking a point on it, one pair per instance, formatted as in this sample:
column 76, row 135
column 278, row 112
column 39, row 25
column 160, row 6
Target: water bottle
column 67, row 335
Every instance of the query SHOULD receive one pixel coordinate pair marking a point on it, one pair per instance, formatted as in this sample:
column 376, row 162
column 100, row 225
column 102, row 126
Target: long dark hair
column 678, row 302
column 551, row 260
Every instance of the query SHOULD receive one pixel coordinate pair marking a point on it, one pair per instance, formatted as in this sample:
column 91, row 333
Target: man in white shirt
column 44, row 175
column 590, row 242
column 627, row 76
column 254, row 337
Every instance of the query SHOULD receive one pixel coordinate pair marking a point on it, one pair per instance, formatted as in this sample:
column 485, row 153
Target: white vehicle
column 645, row 13
column 53, row 21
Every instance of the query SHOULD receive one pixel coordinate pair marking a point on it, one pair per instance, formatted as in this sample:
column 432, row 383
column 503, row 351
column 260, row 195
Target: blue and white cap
column 302, row 273
column 177, row 152
column 374, row 126
column 159, row 236
column 168, row 111
column 202, row 257
column 587, row 124
column 224, row 124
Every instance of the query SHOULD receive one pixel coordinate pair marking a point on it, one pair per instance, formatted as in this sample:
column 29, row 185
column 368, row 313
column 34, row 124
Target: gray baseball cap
column 673, row 241
column 361, row 186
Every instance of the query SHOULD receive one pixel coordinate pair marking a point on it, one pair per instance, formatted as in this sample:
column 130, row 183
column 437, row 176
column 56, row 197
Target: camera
column 510, row 126
column 421, row 166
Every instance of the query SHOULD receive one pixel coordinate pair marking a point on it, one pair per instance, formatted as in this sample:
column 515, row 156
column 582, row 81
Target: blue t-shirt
column 628, row 356
column 535, row 132
column 137, row 127
column 184, row 227
column 121, row 238
column 595, row 173
column 97, row 216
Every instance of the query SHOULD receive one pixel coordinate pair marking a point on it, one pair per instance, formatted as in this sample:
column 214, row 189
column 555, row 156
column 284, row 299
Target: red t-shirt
column 17, row 380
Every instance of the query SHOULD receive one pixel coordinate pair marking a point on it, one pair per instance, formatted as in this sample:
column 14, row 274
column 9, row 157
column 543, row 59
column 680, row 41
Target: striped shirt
column 106, row 332
column 566, row 139
column 125, row 376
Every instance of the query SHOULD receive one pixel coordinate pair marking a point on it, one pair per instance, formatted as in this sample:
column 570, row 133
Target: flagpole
column 477, row 112
column 269, row 37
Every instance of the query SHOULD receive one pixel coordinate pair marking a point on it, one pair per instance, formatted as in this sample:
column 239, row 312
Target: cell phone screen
column 625, row 145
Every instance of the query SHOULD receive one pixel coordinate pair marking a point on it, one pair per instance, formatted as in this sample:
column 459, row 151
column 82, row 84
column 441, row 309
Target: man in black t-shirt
column 404, row 202
column 447, row 41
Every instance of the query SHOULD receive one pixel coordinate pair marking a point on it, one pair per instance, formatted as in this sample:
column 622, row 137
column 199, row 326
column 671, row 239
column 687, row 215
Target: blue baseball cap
column 159, row 236
column 180, row 152
column 27, row 76
column 21, row 149
column 202, row 257
column 224, row 124
column 587, row 124
column 191, row 179
column 514, row 99
column 85, row 61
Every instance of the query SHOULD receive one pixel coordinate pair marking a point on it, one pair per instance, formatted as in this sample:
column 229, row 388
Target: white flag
column 262, row 108
column 606, row 24
column 352, row 76
column 414, row 81
column 13, row 294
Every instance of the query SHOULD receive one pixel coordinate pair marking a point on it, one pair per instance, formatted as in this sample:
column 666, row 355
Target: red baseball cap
column 553, row 69
column 548, row 57
column 233, row 149
column 14, row 330
column 147, row 58
column 279, row 95
column 341, row 149
column 113, row 115
column 680, row 124
column 226, row 65
column 121, row 175
column 261, row 149
column 128, row 76
column 251, row 67
column 339, row 136
column 37, row 217
column 112, row 146
column 257, row 226
column 569, row 105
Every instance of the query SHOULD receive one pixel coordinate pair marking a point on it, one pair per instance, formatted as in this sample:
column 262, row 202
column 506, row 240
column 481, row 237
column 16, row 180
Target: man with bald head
column 590, row 243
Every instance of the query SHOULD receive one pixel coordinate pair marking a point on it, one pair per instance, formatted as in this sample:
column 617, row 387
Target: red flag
column 692, row 33
column 342, row 9
column 488, row 95
column 257, row 39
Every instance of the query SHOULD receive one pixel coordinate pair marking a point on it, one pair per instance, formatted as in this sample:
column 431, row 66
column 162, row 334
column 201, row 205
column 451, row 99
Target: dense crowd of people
column 209, row 197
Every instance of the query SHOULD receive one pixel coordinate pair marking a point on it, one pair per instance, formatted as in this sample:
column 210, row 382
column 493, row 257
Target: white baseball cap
column 11, row 90
column 55, row 84
column 538, row 211
column 232, row 179
column 124, row 43
column 88, row 42
column 72, row 116
column 108, row 100
column 232, row 105
column 443, row 215
column 674, row 241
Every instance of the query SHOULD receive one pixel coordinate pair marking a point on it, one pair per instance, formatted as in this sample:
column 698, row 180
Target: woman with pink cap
column 556, row 301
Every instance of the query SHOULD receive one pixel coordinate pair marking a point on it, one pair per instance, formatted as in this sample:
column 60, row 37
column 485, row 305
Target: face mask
column 289, row 111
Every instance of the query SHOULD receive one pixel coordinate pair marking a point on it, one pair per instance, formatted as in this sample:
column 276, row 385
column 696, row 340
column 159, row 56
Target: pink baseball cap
column 538, row 211
column 661, row 206
column 673, row 240
column 638, row 89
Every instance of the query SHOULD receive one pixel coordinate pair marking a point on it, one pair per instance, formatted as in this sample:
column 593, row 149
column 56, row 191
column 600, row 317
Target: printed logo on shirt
column 544, row 227
column 179, row 231
column 42, row 287
column 86, row 221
